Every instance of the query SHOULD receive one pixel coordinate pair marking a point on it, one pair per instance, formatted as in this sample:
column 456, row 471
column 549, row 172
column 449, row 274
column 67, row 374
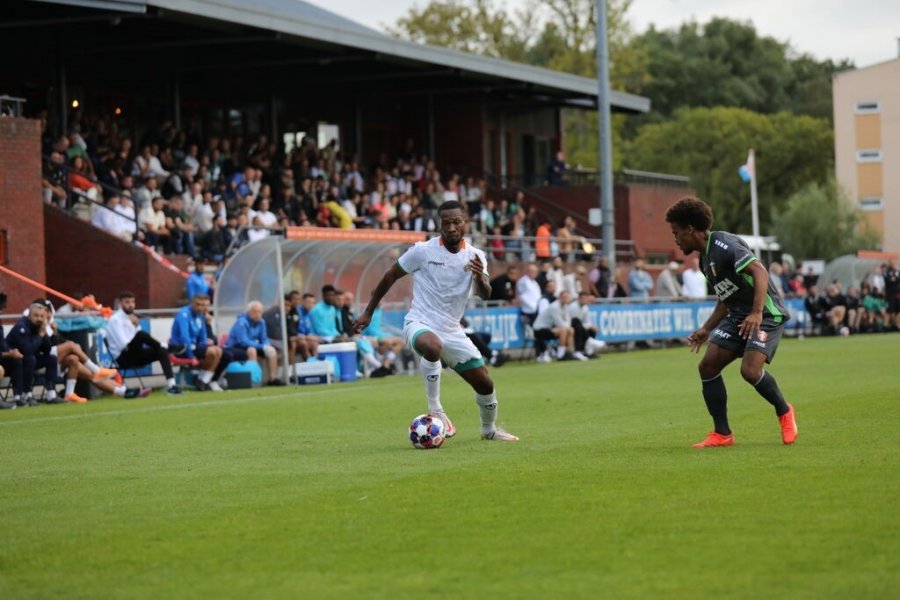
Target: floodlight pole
column 604, row 147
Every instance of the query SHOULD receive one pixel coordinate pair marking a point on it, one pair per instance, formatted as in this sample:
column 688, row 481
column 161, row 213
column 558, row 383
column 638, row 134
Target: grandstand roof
column 298, row 19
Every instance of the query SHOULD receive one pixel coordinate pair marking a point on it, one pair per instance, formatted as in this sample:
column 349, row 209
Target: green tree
column 819, row 221
column 709, row 144
column 726, row 63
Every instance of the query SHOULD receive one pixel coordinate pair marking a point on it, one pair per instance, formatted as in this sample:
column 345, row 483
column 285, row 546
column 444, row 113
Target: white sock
column 431, row 373
column 51, row 394
column 119, row 391
column 560, row 352
column 70, row 386
column 206, row 376
column 487, row 406
column 372, row 361
column 92, row 366
column 170, row 382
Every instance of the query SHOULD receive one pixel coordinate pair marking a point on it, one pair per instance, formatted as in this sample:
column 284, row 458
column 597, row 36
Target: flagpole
column 754, row 207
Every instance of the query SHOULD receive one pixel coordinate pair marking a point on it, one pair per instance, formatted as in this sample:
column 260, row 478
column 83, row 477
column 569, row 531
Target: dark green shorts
column 727, row 334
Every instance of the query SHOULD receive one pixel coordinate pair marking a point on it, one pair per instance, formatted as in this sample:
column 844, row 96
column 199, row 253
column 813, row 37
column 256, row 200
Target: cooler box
column 344, row 354
column 243, row 375
column 318, row 371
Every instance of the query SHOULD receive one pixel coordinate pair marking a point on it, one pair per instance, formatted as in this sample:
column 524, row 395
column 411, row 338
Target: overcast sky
column 864, row 31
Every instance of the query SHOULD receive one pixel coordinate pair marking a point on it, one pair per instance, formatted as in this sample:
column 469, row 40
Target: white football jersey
column 441, row 283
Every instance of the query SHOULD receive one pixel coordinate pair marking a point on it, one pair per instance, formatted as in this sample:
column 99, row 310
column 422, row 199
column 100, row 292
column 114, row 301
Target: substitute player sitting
column 444, row 269
column 747, row 321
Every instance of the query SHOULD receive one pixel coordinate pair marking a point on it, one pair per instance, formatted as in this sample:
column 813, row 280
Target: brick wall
column 21, row 212
column 83, row 259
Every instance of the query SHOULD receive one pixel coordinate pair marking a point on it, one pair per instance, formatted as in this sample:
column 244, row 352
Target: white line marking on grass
column 223, row 401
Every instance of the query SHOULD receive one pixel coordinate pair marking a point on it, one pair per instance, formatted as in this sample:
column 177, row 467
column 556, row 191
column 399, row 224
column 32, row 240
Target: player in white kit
column 444, row 269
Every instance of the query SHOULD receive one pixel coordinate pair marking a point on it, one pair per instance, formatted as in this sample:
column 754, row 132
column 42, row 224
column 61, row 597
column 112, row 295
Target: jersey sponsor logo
column 762, row 335
column 437, row 263
column 721, row 334
column 725, row 288
column 758, row 343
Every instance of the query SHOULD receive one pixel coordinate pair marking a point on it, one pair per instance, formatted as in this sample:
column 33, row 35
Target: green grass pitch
column 316, row 492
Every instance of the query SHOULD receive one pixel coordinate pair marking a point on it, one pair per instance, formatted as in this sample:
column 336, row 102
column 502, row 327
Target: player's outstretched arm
column 387, row 281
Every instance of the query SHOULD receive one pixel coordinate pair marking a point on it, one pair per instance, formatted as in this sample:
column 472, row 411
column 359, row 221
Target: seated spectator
column 482, row 341
column 53, row 181
column 327, row 320
column 503, row 287
column 876, row 317
column 28, row 349
column 132, row 347
column 203, row 215
column 272, row 319
column 585, row 342
column 554, row 323
column 667, row 285
column 855, row 311
column 364, row 347
column 81, row 181
column 835, row 307
column 528, row 291
column 816, row 309
column 152, row 222
column 307, row 341
column 213, row 244
column 640, row 281
column 247, row 340
column 190, row 339
column 127, row 220
column 146, row 193
column 180, row 228
column 797, row 285
column 148, row 165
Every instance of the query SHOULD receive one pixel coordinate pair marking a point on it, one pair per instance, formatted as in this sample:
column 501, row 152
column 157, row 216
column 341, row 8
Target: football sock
column 561, row 352
column 370, row 359
column 487, row 406
column 92, row 366
column 70, row 386
column 431, row 373
column 716, row 397
column 119, row 391
column 768, row 389
column 51, row 394
column 170, row 382
column 206, row 376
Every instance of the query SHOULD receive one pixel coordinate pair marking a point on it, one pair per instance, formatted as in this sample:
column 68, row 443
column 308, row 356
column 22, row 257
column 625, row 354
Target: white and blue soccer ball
column 426, row 432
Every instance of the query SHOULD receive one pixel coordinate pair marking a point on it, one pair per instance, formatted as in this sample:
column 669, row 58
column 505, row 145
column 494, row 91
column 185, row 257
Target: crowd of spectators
column 871, row 306
column 187, row 194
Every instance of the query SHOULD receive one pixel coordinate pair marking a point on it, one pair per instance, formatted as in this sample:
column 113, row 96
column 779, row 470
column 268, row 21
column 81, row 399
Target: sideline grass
column 317, row 493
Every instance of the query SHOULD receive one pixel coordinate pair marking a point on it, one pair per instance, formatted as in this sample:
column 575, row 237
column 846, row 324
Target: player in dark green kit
column 747, row 322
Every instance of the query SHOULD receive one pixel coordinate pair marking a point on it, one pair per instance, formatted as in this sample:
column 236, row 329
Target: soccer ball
column 426, row 432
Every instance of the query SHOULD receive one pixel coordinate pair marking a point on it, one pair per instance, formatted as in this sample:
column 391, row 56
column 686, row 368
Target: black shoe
column 174, row 390
column 31, row 401
column 276, row 382
column 293, row 379
column 500, row 359
column 20, row 401
column 7, row 405
column 201, row 386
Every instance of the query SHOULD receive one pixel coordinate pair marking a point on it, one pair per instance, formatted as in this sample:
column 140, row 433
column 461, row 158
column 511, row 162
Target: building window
column 868, row 156
column 867, row 107
column 871, row 203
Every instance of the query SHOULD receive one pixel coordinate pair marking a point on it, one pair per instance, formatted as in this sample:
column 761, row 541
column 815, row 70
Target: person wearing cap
column 667, row 285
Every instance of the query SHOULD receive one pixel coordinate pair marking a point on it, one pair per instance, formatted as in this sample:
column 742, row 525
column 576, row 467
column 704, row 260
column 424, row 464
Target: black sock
column 716, row 397
column 768, row 389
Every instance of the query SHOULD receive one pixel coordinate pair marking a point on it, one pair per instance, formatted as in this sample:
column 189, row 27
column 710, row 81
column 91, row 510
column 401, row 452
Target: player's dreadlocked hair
column 690, row 212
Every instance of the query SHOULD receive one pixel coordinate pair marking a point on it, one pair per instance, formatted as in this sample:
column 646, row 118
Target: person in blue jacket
column 247, row 340
column 197, row 283
column 190, row 339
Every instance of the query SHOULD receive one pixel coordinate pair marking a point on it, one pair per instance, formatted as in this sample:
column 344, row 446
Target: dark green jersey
column 723, row 263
